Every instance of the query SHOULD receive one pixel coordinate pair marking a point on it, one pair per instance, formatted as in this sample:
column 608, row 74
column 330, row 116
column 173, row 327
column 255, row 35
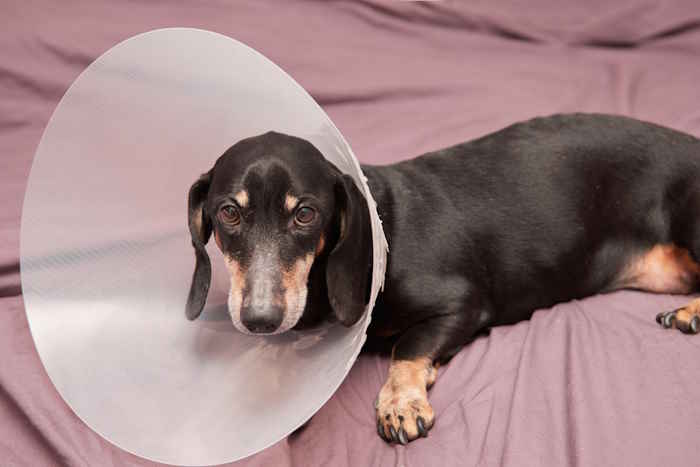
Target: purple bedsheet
column 591, row 382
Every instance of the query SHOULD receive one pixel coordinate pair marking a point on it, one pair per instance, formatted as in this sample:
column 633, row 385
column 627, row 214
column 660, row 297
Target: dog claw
column 420, row 424
column 690, row 327
column 380, row 431
column 666, row 319
column 669, row 319
column 394, row 435
column 694, row 325
column 403, row 437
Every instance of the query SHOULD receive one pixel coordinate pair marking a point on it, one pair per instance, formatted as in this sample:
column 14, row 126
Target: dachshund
column 480, row 234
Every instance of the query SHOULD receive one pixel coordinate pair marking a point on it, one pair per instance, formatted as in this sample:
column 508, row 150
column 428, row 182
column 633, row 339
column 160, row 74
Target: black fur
column 347, row 270
column 268, row 168
column 200, row 228
column 485, row 232
column 541, row 212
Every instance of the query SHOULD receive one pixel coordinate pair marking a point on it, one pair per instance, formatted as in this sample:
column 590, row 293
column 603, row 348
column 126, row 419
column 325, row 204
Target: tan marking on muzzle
column 242, row 198
column 290, row 202
column 218, row 240
column 235, row 297
column 294, row 282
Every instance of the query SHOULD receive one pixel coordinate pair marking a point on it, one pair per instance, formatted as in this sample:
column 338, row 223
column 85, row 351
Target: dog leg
column 686, row 319
column 403, row 410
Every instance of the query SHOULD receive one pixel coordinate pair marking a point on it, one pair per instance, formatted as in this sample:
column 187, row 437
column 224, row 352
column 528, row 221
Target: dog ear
column 200, row 230
column 349, row 263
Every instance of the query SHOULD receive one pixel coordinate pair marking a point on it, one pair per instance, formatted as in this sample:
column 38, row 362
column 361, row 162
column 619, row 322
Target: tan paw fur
column 402, row 404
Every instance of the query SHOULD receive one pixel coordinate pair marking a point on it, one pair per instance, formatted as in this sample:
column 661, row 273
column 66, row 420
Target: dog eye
column 230, row 215
column 305, row 215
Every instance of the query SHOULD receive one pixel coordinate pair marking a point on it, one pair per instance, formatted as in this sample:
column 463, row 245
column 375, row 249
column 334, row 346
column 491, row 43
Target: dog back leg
column 680, row 262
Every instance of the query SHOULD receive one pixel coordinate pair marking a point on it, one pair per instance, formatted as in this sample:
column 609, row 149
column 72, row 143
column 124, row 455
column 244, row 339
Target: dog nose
column 262, row 321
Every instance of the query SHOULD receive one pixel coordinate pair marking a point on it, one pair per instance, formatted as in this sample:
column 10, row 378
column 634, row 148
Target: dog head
column 294, row 232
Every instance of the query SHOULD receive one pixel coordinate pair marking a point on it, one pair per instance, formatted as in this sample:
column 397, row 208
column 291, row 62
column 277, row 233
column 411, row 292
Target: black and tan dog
column 480, row 234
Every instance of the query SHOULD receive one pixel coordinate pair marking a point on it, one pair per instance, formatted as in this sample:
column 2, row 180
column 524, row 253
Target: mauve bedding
column 590, row 382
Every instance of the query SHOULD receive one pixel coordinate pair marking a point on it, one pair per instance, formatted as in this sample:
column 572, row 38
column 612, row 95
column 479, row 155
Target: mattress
column 588, row 382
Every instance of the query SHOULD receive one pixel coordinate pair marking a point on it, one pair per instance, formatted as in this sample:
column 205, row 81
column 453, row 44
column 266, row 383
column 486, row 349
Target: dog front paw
column 403, row 414
column 403, row 410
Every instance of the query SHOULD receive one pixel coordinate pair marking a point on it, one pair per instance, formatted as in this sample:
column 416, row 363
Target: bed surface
column 590, row 382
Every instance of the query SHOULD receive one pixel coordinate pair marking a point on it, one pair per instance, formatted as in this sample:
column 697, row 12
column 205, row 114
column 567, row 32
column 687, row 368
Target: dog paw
column 685, row 319
column 403, row 410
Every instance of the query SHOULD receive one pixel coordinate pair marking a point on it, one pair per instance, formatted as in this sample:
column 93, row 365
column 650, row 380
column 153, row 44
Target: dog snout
column 262, row 320
column 267, row 296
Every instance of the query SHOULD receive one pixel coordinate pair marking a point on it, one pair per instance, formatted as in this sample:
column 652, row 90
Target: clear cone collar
column 106, row 256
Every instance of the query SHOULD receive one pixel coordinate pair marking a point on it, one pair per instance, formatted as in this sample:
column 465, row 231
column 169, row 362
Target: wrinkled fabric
column 590, row 382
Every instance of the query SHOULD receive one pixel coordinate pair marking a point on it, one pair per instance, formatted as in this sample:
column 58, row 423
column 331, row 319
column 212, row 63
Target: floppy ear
column 349, row 263
column 200, row 230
